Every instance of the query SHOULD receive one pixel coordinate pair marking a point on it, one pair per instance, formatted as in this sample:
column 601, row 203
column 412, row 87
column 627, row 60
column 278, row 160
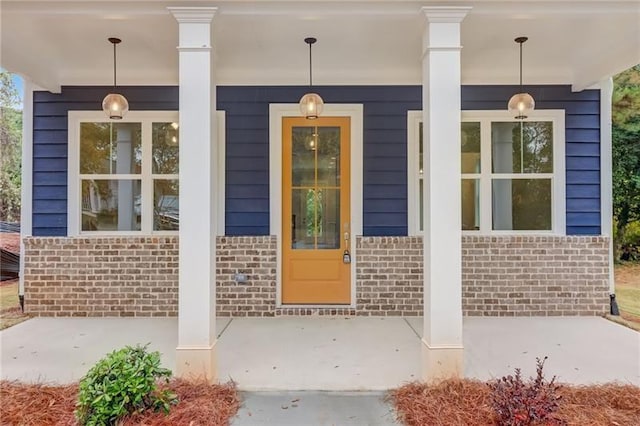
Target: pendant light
column 311, row 104
column 521, row 103
column 114, row 104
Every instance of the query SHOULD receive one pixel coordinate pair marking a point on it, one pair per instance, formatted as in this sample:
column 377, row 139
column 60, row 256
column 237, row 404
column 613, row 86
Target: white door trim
column 276, row 113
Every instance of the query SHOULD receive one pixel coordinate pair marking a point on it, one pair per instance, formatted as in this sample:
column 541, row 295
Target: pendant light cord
column 310, row 69
column 521, row 67
column 114, row 65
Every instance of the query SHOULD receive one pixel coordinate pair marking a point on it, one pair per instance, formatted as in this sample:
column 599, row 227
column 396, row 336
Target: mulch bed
column 43, row 405
column 468, row 402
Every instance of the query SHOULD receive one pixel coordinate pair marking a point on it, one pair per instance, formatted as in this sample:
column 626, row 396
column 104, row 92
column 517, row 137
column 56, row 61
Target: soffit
column 261, row 42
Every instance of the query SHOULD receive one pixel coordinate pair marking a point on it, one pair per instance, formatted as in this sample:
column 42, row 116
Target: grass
column 10, row 312
column 627, row 277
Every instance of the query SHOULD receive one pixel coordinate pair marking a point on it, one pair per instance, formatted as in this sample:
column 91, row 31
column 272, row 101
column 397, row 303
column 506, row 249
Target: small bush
column 122, row 383
column 517, row 403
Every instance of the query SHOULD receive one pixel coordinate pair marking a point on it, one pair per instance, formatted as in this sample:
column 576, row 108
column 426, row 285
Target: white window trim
column 74, row 216
column 276, row 113
column 558, row 219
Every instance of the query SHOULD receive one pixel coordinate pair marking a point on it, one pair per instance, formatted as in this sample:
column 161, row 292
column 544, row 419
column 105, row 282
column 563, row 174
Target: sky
column 18, row 83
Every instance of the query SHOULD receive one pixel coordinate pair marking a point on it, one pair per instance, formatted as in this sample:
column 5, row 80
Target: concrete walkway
column 338, row 354
column 314, row 408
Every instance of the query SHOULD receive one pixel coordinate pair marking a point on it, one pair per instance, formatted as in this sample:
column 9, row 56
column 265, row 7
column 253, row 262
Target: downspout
column 27, row 179
column 606, row 181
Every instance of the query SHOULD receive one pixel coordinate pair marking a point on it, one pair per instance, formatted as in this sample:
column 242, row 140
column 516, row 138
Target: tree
column 626, row 150
column 10, row 149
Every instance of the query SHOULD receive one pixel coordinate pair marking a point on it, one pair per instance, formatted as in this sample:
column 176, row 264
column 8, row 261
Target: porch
column 331, row 353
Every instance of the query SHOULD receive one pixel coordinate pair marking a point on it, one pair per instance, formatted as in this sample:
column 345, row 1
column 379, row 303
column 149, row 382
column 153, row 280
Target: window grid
column 146, row 177
column 486, row 176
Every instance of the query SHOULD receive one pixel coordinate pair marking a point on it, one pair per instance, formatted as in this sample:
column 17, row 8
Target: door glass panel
column 329, row 156
column 303, row 152
column 315, row 192
column 328, row 219
column 303, row 219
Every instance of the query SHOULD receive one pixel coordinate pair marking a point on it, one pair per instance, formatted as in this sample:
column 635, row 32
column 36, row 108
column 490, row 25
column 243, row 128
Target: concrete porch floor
column 320, row 353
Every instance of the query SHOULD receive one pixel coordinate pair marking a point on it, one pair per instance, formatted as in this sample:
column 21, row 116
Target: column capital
column 445, row 14
column 193, row 15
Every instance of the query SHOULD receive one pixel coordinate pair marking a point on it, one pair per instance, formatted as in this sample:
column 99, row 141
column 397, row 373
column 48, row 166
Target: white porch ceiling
column 576, row 42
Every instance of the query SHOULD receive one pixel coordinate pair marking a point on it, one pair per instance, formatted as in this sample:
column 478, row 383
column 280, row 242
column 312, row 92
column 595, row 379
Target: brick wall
column 389, row 276
column 256, row 258
column 101, row 276
column 138, row 276
column 535, row 275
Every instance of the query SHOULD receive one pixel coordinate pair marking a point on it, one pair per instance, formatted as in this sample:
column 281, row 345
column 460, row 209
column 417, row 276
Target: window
column 512, row 172
column 123, row 175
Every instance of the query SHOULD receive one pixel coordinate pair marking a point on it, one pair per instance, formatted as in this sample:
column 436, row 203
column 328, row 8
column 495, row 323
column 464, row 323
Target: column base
column 197, row 362
column 440, row 363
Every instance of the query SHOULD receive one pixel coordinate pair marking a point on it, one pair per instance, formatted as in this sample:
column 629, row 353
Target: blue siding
column 385, row 148
column 582, row 137
column 385, row 152
column 50, row 143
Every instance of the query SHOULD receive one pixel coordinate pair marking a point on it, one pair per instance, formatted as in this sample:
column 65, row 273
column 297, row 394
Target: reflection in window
column 166, row 202
column 470, row 137
column 165, row 148
column 521, row 204
column 110, row 205
column 110, row 148
column 470, row 204
column 522, row 147
column 129, row 183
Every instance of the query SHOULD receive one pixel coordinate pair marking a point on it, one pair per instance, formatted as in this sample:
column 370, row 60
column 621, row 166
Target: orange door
column 316, row 211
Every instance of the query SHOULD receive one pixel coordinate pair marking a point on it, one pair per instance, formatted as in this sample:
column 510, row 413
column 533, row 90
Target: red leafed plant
column 517, row 403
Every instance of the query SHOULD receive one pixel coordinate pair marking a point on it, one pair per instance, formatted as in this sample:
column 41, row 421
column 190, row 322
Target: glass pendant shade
column 521, row 104
column 311, row 105
column 115, row 106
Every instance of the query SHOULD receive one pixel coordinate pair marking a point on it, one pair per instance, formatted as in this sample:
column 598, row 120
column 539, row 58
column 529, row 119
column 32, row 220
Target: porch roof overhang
column 577, row 42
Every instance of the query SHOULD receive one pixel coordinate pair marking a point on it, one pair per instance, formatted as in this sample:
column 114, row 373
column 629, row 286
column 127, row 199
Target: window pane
column 165, row 148
column 522, row 147
column 470, row 139
column 470, row 204
column 420, row 149
column 521, row 204
column 111, row 205
column 421, row 201
column 110, row 148
column 166, row 211
column 303, row 152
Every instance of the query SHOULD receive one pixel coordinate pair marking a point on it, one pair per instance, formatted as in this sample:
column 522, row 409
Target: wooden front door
column 316, row 232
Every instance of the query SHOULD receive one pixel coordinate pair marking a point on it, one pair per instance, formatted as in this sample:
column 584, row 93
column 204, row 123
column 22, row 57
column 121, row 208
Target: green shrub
column 124, row 382
column 632, row 234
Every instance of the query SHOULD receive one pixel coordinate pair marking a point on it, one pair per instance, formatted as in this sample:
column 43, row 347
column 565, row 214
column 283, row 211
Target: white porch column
column 442, row 335
column 196, row 355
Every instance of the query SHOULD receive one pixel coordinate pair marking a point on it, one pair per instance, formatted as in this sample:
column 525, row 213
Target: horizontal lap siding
column 50, row 121
column 582, row 138
column 384, row 150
